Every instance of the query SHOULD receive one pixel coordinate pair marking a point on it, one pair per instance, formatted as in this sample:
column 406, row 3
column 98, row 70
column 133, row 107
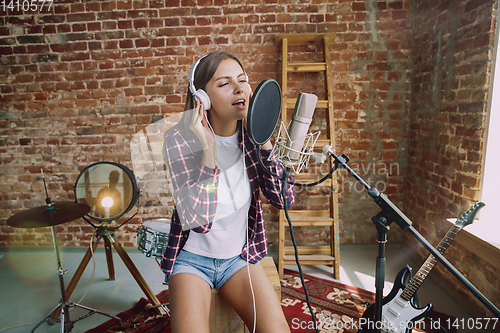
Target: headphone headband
column 192, row 88
column 200, row 93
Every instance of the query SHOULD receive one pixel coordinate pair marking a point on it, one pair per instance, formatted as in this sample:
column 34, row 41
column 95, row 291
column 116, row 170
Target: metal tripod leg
column 57, row 308
column 76, row 277
column 137, row 276
column 66, row 323
column 110, row 243
column 64, row 305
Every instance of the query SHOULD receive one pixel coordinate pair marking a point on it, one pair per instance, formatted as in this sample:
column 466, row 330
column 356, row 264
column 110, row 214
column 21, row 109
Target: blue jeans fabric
column 215, row 271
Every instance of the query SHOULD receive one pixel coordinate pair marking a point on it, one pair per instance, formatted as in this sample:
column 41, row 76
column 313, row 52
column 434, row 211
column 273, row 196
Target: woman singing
column 218, row 235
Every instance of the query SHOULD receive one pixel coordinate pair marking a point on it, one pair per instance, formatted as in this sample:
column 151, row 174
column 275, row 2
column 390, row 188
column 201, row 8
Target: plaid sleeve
column 195, row 185
column 176, row 241
column 271, row 186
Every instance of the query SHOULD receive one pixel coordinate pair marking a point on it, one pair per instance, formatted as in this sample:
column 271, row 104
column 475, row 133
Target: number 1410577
column 26, row 5
column 471, row 323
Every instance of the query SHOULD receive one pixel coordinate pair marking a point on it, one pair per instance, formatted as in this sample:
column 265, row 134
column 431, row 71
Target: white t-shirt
column 227, row 236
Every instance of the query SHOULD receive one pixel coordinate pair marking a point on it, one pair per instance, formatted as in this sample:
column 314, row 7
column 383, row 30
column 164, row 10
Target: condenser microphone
column 297, row 131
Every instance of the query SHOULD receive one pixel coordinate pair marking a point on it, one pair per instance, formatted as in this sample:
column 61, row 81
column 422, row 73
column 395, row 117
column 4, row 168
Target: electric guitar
column 399, row 309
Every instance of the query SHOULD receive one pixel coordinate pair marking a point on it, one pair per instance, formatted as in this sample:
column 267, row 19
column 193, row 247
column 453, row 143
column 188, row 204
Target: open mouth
column 240, row 103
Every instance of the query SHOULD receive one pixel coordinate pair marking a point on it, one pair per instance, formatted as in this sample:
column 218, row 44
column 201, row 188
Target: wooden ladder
column 323, row 254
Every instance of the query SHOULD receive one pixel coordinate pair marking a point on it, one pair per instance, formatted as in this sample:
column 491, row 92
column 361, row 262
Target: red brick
column 38, row 49
column 140, row 23
column 122, row 5
column 375, row 118
column 358, row 6
column 145, row 109
column 80, row 17
column 142, row 42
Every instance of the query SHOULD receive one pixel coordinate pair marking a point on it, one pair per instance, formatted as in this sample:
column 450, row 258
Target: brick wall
column 450, row 85
column 78, row 81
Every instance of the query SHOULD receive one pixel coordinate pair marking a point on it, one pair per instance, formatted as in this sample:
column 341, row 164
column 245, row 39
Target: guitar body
column 398, row 315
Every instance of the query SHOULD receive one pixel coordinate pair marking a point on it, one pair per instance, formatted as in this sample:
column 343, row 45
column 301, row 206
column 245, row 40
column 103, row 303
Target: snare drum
column 152, row 237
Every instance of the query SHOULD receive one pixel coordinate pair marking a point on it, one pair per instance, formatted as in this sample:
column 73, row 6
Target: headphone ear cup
column 204, row 99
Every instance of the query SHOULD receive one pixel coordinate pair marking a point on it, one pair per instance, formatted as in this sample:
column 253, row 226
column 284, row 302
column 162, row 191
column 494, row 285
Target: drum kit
column 152, row 238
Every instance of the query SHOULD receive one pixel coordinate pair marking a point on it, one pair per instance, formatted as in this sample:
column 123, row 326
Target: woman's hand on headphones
column 203, row 131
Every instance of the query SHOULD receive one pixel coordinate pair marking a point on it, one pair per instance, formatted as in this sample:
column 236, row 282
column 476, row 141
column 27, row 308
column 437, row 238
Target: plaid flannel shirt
column 195, row 193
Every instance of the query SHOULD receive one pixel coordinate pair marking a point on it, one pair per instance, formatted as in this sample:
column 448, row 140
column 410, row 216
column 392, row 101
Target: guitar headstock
column 468, row 217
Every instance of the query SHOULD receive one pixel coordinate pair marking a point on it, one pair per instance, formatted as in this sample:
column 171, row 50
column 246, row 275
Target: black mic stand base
column 382, row 229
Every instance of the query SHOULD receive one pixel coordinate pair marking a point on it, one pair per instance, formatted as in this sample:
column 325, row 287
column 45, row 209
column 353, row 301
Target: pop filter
column 264, row 111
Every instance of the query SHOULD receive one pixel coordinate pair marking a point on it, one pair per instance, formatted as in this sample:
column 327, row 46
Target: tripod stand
column 107, row 234
column 64, row 305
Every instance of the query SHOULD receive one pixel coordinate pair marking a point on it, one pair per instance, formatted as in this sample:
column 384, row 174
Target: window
column 488, row 226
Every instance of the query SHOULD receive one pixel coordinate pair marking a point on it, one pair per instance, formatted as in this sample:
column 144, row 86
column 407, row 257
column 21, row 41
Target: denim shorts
column 215, row 271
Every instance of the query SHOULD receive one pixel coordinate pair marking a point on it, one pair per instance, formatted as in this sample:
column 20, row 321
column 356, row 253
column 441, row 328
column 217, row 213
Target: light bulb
column 107, row 202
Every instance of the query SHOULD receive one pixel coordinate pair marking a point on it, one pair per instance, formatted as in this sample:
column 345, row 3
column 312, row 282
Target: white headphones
column 200, row 93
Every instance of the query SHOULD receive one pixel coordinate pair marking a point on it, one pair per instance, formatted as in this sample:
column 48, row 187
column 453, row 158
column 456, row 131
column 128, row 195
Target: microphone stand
column 284, row 180
column 390, row 213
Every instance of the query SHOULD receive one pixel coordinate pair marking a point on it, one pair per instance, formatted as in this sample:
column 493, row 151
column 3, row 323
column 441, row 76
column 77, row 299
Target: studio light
column 110, row 189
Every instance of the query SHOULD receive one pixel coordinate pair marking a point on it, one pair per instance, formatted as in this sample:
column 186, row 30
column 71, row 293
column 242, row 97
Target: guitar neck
column 426, row 268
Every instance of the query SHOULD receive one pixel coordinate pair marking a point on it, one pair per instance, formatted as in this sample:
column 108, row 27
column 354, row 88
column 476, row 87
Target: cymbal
column 44, row 216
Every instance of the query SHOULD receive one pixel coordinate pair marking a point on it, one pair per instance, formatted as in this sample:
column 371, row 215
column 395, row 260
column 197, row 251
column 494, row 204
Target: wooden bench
column 223, row 319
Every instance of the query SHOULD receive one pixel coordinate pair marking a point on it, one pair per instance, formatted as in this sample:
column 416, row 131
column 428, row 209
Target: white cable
column 251, row 288
column 248, row 252
column 8, row 328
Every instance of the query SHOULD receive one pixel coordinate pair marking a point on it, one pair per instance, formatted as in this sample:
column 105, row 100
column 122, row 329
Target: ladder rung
column 321, row 104
column 298, row 214
column 303, row 39
column 309, row 259
column 309, row 250
column 295, row 66
column 311, row 223
column 305, row 176
column 326, row 183
column 321, row 142
column 311, row 178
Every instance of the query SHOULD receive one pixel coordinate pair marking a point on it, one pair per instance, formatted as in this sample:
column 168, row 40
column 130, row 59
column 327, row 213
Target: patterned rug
column 337, row 308
column 139, row 319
